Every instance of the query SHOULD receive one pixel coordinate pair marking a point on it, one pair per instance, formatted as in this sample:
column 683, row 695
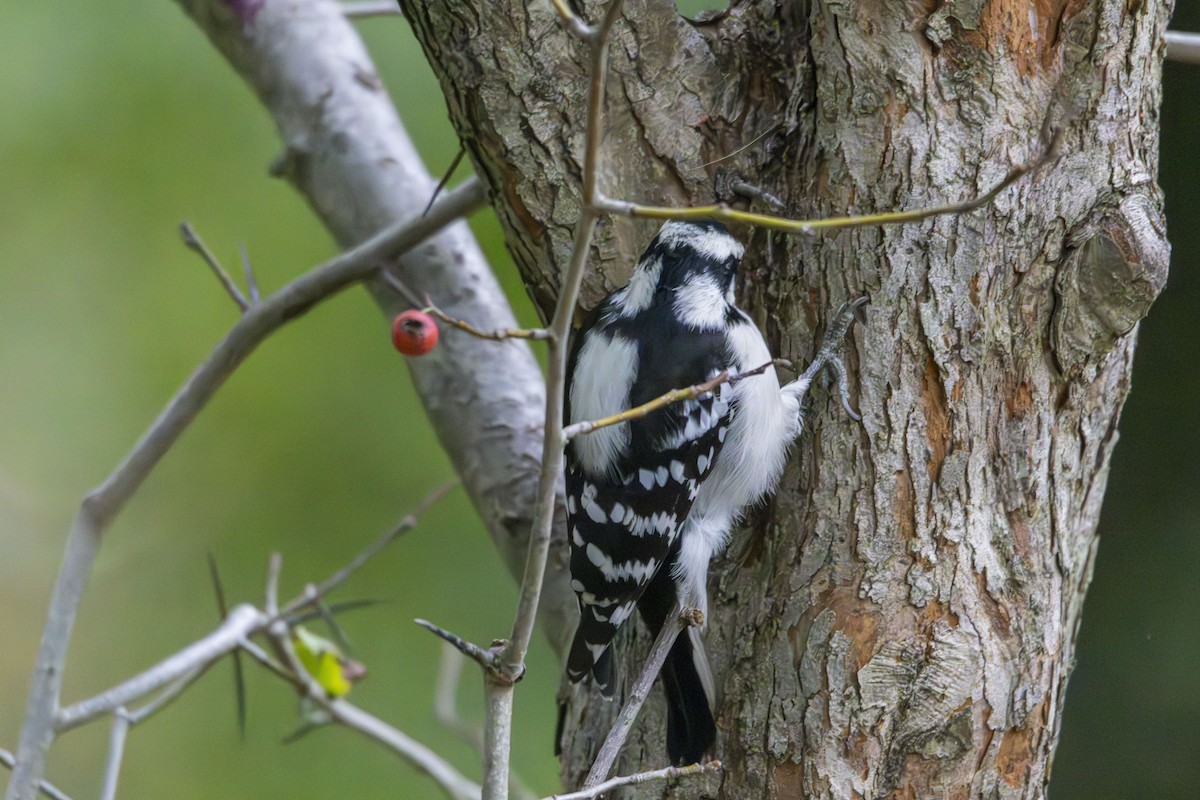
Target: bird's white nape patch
column 600, row 387
column 717, row 244
column 639, row 294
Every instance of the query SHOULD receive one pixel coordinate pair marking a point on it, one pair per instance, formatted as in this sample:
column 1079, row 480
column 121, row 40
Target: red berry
column 414, row 333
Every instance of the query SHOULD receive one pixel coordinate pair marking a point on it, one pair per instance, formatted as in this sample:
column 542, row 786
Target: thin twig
column 735, row 151
column 449, row 173
column 427, row 305
column 752, row 192
column 375, row 548
column 264, row 658
column 445, row 711
column 242, row 621
column 102, row 504
column 239, row 683
column 445, row 698
column 486, row 658
column 727, row 214
column 535, row 334
column 1183, row 47
column 573, row 21
column 116, row 754
column 248, row 271
column 675, row 623
column 192, row 239
column 499, row 692
column 454, row 783
column 664, row 774
column 167, row 695
column 357, row 9
column 274, row 568
column 666, row 399
column 45, row 787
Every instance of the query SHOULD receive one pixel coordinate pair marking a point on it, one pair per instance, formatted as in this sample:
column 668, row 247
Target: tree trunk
column 900, row 620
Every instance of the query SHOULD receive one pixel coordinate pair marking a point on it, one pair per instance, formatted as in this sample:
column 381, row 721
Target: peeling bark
column 900, row 620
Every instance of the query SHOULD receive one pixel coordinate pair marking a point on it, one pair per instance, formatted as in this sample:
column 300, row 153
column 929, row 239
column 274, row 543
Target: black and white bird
column 650, row 501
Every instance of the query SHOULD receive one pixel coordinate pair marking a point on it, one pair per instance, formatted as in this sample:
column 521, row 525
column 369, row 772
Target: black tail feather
column 691, row 730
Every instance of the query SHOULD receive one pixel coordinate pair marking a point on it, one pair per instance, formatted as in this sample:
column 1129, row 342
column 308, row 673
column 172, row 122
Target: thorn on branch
column 193, row 241
column 251, row 280
column 458, row 157
column 44, row 786
column 489, row 659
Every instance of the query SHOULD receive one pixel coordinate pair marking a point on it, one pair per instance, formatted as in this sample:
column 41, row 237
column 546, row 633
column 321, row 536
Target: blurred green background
column 117, row 121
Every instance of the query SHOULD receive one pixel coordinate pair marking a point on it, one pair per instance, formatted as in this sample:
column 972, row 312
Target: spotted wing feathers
column 622, row 534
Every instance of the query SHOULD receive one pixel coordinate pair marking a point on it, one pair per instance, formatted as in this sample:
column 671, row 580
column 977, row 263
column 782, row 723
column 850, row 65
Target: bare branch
column 485, row 658
column 665, row 774
column 445, row 698
column 242, row 621
column 454, row 162
column 193, row 241
column 375, row 548
column 536, row 334
column 727, row 214
column 274, row 569
column 356, row 9
column 102, row 504
column 675, row 623
column 45, row 787
column 167, row 695
column 1183, row 47
column 427, row 305
column 116, row 753
column 498, row 722
column 666, row 399
column 445, row 711
column 456, row 786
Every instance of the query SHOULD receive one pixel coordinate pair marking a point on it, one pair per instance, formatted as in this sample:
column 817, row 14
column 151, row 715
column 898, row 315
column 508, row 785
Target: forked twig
column 44, row 786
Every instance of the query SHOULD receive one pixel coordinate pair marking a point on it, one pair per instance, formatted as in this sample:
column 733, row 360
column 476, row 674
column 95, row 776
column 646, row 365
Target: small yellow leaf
column 323, row 660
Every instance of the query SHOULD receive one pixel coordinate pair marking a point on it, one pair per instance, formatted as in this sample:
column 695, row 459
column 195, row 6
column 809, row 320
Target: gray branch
column 346, row 151
column 1183, row 47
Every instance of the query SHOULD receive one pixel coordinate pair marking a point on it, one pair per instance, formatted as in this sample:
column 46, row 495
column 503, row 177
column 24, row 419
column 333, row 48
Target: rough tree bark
column 900, row 621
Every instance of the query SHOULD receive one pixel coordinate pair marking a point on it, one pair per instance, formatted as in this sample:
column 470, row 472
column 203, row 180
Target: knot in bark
column 1115, row 267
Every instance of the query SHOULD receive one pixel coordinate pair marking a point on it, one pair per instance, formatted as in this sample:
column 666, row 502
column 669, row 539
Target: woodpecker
column 651, row 501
